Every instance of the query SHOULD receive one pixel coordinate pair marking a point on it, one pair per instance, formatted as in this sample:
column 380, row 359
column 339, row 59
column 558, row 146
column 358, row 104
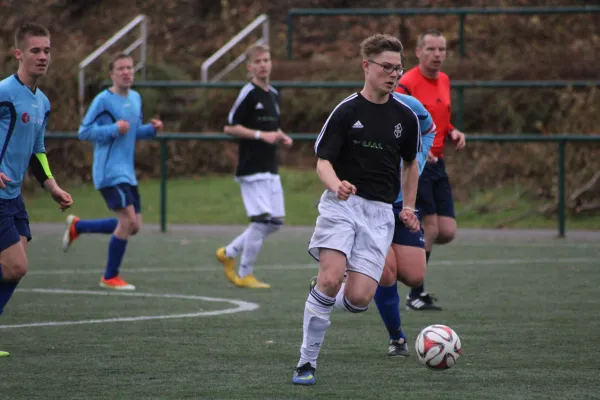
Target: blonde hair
column 256, row 50
column 379, row 43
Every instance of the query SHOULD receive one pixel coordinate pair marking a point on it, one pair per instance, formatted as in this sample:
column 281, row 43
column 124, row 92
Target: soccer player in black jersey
column 254, row 119
column 360, row 149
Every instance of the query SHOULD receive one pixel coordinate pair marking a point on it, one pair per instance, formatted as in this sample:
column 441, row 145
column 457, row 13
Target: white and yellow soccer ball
column 438, row 347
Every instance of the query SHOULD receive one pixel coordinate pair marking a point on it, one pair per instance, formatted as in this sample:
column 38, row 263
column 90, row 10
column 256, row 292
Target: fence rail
column 560, row 140
column 459, row 86
column 460, row 12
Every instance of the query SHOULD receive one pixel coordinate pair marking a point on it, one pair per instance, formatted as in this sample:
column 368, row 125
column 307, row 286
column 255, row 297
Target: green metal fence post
column 163, row 185
column 561, row 188
column 290, row 26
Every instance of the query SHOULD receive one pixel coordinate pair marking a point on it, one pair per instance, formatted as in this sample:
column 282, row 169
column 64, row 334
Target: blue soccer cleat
column 304, row 375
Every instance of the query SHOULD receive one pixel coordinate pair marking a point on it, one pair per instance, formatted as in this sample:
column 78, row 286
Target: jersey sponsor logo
column 398, row 131
column 357, row 125
column 25, row 118
column 368, row 145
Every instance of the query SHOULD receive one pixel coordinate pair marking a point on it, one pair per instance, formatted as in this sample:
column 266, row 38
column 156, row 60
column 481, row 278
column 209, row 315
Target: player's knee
column 388, row 277
column 135, row 228
column 275, row 224
column 445, row 236
column 413, row 279
column 431, row 230
column 14, row 271
column 329, row 284
column 262, row 218
column 357, row 302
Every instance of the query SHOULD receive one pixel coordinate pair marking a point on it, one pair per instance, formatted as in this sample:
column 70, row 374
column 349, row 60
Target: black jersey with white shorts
column 256, row 109
column 257, row 169
column 365, row 143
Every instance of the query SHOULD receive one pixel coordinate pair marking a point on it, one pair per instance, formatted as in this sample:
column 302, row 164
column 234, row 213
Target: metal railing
column 459, row 86
column 560, row 140
column 461, row 12
column 262, row 20
column 141, row 42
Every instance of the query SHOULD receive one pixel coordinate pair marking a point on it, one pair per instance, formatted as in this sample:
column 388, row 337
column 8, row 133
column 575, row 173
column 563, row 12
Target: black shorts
column 434, row 195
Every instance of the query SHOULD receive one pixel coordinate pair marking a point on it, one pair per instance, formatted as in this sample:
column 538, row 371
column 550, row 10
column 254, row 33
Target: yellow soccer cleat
column 115, row 283
column 250, row 281
column 4, row 354
column 228, row 265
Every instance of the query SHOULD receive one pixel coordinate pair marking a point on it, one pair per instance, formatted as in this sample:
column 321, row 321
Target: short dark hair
column 379, row 43
column 117, row 57
column 29, row 29
column 429, row 32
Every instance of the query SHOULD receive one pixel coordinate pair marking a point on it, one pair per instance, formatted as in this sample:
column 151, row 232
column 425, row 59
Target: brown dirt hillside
column 182, row 34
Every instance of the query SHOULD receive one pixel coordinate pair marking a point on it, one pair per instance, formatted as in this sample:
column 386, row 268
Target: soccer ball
column 438, row 347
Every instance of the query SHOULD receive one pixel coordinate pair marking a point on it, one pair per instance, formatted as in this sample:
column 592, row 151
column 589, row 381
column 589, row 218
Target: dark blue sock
column 416, row 291
column 106, row 225
column 116, row 250
column 388, row 304
column 7, row 288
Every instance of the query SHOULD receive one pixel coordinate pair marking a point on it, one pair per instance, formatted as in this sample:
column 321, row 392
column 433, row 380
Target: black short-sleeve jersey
column 257, row 109
column 365, row 143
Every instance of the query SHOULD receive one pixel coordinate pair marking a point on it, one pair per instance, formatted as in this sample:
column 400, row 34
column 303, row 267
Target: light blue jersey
column 23, row 118
column 114, row 153
column 427, row 130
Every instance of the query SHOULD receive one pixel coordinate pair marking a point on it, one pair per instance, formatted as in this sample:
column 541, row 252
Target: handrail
column 263, row 20
column 141, row 42
column 173, row 84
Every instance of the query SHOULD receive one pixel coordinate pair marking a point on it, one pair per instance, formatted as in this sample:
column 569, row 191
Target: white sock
column 253, row 240
column 317, row 310
column 339, row 298
column 233, row 249
column 342, row 303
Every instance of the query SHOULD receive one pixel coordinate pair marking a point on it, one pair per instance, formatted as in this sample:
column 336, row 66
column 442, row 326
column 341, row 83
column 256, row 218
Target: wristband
column 257, row 135
column 413, row 210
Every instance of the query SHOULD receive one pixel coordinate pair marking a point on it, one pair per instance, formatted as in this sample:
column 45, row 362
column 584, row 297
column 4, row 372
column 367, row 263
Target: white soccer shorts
column 263, row 195
column 361, row 229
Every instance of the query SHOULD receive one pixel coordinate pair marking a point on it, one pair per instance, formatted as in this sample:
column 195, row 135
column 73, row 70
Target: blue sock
column 416, row 291
column 388, row 304
column 116, row 250
column 106, row 225
column 7, row 288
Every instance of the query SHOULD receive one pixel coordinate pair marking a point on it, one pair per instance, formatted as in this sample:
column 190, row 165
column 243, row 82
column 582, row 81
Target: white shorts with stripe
column 262, row 194
column 361, row 229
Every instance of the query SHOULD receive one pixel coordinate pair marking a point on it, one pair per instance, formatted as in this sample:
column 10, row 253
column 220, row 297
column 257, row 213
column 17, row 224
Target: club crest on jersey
column 398, row 131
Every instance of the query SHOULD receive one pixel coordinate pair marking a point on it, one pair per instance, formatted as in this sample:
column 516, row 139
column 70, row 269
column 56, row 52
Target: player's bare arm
column 342, row 189
column 4, row 179
column 63, row 198
column 247, row 133
column 285, row 139
column 409, row 179
column 458, row 137
column 157, row 124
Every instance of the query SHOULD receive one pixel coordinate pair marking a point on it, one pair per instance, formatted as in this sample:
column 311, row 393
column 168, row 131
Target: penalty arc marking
column 239, row 306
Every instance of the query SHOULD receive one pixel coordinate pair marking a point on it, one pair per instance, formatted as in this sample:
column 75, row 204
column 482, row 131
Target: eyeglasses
column 388, row 69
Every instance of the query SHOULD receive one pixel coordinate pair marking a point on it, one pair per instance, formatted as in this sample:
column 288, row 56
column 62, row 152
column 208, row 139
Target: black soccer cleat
column 398, row 347
column 425, row 302
column 304, row 375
